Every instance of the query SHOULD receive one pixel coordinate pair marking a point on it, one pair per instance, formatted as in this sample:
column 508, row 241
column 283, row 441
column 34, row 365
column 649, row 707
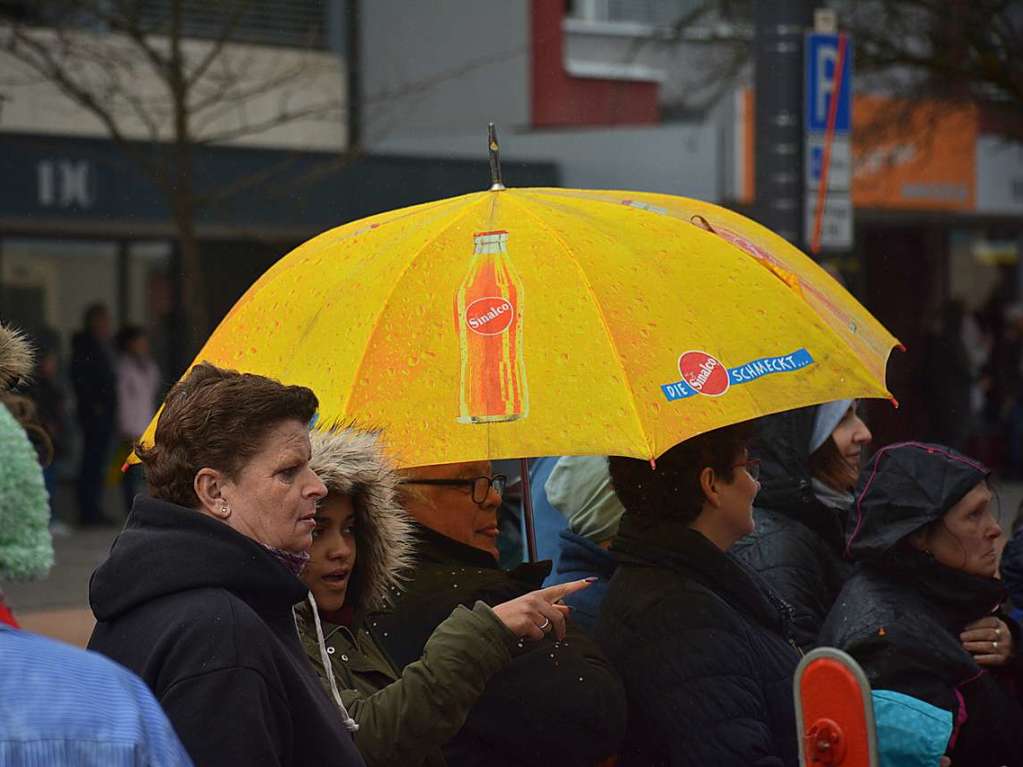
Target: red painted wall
column 559, row 99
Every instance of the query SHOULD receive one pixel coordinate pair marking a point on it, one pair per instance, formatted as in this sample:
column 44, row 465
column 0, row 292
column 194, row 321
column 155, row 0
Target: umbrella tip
column 494, row 150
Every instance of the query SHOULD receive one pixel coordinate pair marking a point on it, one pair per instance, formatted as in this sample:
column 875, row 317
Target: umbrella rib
column 600, row 312
column 471, row 200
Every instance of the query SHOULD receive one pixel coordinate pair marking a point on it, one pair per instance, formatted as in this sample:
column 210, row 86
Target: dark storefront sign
column 79, row 185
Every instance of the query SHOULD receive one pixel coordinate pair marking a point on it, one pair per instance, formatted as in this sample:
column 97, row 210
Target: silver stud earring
column 225, row 510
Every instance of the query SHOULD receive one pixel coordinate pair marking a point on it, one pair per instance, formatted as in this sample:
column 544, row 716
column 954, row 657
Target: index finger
column 554, row 593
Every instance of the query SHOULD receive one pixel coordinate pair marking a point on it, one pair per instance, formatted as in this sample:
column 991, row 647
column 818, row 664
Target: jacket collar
column 960, row 597
column 434, row 548
column 671, row 544
column 579, row 554
column 166, row 549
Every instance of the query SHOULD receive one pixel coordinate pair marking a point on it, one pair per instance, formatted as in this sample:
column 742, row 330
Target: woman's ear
column 709, row 485
column 208, row 486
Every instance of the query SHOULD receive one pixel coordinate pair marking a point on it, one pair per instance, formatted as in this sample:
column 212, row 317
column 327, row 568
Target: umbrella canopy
column 524, row 322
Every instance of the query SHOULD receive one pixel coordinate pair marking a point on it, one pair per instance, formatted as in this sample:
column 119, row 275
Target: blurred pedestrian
column 579, row 487
column 95, row 383
column 556, row 702
column 809, row 464
column 59, row 706
column 361, row 544
column 703, row 645
column 949, row 372
column 922, row 614
column 138, row 383
column 47, row 392
column 1011, row 568
column 196, row 595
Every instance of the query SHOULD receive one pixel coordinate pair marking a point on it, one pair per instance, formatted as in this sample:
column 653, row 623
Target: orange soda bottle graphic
column 488, row 315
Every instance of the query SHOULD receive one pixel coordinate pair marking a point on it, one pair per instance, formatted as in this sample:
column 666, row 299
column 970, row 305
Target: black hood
column 903, row 488
column 165, row 549
column 782, row 445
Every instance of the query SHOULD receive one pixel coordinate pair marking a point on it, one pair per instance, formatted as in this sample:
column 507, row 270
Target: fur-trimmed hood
column 15, row 357
column 351, row 461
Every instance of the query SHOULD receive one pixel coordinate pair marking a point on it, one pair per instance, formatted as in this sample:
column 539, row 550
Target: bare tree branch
column 284, row 117
column 227, row 31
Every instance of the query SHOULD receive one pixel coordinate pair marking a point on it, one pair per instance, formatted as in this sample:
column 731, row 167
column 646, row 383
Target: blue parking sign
column 821, row 70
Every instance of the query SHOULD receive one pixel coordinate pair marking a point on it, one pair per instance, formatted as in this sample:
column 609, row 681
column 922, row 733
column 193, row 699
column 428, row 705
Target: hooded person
column 580, row 488
column 197, row 592
column 558, row 700
column 809, row 463
column 922, row 614
column 101, row 715
column 362, row 543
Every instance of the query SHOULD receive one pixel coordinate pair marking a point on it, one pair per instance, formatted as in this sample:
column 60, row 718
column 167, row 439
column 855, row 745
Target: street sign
column 821, row 64
column 840, row 166
column 827, row 120
column 836, row 221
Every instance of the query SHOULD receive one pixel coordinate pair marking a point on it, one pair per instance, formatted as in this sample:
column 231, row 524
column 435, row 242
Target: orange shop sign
column 914, row 155
column 919, row 155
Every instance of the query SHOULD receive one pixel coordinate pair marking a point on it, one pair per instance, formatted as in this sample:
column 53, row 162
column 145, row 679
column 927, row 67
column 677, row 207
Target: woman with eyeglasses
column 701, row 641
column 361, row 544
column 810, row 461
column 557, row 701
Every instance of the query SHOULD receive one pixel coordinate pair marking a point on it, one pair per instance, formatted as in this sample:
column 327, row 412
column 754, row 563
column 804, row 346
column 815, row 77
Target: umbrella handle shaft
column 527, row 509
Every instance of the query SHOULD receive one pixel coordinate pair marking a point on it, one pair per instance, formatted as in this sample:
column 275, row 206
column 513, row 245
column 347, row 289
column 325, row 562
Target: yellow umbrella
column 525, row 322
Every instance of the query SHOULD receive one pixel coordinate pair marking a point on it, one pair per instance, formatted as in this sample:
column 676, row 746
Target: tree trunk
column 193, row 294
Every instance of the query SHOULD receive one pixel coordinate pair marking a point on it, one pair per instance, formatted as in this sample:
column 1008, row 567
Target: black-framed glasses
column 478, row 486
column 752, row 467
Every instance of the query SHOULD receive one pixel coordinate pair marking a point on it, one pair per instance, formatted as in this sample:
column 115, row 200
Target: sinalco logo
column 704, row 373
column 490, row 315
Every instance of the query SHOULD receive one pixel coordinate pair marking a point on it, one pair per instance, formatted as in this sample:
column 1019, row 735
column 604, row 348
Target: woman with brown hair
column 809, row 464
column 196, row 596
column 700, row 641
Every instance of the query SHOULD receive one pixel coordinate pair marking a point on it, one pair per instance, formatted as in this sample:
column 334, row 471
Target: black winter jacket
column 702, row 645
column 203, row 615
column 557, row 703
column 901, row 612
column 798, row 541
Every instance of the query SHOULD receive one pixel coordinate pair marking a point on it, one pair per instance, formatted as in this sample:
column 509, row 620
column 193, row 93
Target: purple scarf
column 294, row 562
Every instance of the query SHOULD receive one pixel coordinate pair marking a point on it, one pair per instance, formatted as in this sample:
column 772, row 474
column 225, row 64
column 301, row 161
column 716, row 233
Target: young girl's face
column 332, row 556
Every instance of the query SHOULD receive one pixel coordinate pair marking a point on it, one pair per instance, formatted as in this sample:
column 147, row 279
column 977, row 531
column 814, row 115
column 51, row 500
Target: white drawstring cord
column 350, row 723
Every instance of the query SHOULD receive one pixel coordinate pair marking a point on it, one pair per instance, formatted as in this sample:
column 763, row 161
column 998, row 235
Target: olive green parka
column 403, row 718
